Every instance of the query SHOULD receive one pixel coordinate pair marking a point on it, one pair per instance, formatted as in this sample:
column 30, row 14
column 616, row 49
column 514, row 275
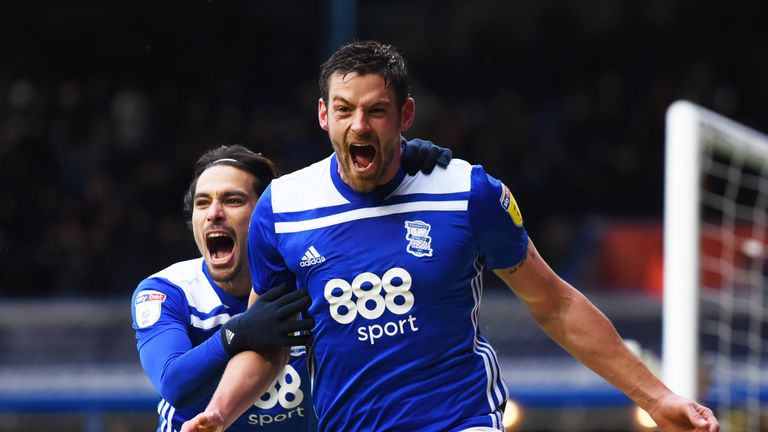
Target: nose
column 360, row 125
column 215, row 211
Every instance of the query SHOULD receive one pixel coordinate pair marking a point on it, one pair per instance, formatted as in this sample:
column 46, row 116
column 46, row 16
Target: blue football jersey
column 177, row 314
column 395, row 278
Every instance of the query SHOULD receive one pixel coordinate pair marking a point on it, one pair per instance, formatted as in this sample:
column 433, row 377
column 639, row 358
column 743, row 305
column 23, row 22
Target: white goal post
column 681, row 216
column 716, row 192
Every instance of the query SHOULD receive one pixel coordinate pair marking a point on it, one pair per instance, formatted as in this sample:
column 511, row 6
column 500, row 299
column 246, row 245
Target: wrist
column 649, row 399
column 230, row 342
column 218, row 348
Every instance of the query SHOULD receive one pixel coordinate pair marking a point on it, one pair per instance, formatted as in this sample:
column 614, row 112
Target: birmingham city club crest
column 419, row 241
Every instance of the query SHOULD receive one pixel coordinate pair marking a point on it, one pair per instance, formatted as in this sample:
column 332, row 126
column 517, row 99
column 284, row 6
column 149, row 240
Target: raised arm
column 572, row 321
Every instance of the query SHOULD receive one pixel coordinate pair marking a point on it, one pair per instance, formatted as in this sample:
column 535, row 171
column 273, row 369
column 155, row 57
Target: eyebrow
column 226, row 194
column 340, row 99
column 384, row 101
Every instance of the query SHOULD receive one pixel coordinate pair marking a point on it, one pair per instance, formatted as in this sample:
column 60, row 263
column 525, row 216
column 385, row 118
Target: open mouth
column 362, row 155
column 220, row 246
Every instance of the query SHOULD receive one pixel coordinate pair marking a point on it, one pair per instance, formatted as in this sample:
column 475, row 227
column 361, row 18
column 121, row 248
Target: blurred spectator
column 103, row 108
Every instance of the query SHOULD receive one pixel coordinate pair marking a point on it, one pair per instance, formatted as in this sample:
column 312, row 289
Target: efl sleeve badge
column 509, row 205
column 148, row 305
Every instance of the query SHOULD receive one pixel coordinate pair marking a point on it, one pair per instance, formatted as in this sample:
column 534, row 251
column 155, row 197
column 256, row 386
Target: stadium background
column 104, row 106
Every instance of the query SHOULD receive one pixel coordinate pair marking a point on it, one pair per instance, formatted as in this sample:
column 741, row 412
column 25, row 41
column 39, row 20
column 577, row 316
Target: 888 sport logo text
column 284, row 391
column 369, row 296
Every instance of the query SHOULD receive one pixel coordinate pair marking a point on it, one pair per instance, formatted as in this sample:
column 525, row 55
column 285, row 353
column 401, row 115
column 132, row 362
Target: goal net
column 715, row 321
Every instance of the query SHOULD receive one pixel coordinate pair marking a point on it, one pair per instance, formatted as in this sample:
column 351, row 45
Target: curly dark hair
column 368, row 57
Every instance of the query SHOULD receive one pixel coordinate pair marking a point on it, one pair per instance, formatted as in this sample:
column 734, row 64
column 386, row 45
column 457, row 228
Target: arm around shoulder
column 180, row 372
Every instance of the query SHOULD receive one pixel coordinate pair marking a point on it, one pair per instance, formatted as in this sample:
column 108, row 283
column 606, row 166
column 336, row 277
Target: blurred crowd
column 105, row 107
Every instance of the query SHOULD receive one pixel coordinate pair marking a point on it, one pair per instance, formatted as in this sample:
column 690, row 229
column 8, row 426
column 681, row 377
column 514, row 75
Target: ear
column 407, row 114
column 322, row 114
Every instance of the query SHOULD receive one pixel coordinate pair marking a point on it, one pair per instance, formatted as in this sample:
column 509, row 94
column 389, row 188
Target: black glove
column 421, row 155
column 268, row 324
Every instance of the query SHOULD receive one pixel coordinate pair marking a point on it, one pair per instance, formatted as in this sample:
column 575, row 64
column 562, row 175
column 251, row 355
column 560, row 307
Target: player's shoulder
column 455, row 178
column 458, row 165
column 310, row 171
column 305, row 189
column 183, row 281
column 182, row 271
column 179, row 276
column 165, row 288
column 459, row 178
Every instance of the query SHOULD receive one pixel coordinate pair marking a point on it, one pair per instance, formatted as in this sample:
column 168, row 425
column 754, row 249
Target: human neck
column 240, row 286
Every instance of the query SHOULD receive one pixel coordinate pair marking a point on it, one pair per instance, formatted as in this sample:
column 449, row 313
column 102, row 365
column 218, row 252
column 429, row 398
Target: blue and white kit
column 395, row 278
column 177, row 314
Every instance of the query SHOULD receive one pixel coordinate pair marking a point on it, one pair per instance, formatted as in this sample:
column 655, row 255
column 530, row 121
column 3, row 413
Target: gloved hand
column 421, row 155
column 268, row 324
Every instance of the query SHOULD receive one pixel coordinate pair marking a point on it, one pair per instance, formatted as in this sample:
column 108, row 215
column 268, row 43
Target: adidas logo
column 311, row 257
column 230, row 335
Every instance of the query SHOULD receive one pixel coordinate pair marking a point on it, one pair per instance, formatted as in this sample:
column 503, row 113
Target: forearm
column 181, row 374
column 247, row 376
column 587, row 334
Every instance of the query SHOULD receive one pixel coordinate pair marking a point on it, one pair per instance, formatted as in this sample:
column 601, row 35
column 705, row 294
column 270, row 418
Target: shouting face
column 222, row 205
column 364, row 125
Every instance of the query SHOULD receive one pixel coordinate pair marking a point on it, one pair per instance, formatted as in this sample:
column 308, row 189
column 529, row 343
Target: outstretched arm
column 572, row 321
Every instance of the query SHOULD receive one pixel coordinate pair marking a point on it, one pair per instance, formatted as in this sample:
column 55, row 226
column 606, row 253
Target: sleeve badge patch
column 509, row 205
column 148, row 306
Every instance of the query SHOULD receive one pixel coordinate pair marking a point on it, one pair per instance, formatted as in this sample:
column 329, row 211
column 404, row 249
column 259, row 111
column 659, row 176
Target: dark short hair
column 368, row 57
column 238, row 156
